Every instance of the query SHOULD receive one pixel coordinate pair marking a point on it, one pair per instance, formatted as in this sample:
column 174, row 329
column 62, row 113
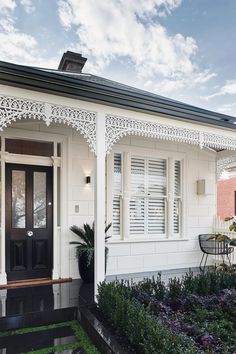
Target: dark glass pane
column 18, row 199
column 40, row 199
column 29, row 147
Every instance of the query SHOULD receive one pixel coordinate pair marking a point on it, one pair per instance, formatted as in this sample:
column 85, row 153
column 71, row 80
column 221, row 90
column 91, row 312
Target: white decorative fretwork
column 14, row 108
column 118, row 127
column 225, row 163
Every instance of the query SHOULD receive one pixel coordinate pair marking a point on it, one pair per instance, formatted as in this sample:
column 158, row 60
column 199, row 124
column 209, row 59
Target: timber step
column 33, row 282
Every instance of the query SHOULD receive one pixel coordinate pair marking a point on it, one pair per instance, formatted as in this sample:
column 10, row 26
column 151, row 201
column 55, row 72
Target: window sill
column 144, row 240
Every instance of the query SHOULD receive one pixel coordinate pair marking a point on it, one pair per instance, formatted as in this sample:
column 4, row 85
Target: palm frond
column 108, row 227
column 86, row 234
column 82, row 234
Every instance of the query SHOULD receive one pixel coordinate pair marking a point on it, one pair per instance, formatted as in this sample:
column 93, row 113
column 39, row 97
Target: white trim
column 3, row 275
column 120, row 126
column 109, row 186
column 147, row 153
column 56, row 253
column 28, row 159
column 170, row 196
column 100, row 204
column 126, row 194
column 64, row 269
column 59, row 249
column 16, row 108
column 223, row 164
column 144, row 240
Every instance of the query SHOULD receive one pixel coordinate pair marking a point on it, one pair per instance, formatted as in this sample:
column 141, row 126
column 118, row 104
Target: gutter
column 62, row 85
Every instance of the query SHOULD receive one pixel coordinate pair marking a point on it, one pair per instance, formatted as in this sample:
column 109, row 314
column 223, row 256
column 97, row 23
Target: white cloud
column 130, row 29
column 28, row 6
column 7, row 5
column 228, row 89
column 17, row 46
column 228, row 108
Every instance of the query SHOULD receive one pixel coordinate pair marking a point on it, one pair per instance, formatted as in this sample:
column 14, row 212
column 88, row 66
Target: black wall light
column 88, row 179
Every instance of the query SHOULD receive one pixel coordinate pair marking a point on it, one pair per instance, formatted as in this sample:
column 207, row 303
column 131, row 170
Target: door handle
column 29, row 233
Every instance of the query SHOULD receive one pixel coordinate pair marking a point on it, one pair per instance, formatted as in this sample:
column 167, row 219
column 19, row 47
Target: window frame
column 146, row 196
column 146, row 153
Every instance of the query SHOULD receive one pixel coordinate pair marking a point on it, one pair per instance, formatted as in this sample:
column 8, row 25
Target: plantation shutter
column 137, row 215
column 148, row 190
column 137, row 175
column 177, row 197
column 156, row 169
column 117, row 190
column 137, row 202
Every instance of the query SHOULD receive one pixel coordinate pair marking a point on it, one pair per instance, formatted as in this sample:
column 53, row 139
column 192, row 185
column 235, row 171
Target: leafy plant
column 144, row 331
column 87, row 237
column 192, row 315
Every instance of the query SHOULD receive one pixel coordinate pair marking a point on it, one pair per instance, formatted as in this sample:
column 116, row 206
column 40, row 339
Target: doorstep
column 33, row 282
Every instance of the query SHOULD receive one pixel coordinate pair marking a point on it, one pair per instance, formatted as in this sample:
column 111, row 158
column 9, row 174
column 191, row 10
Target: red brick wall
column 225, row 197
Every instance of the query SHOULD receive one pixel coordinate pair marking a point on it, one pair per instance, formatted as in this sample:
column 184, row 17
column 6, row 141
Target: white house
column 143, row 152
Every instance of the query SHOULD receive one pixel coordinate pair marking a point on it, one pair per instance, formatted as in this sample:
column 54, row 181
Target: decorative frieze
column 14, row 108
column 225, row 163
column 118, row 127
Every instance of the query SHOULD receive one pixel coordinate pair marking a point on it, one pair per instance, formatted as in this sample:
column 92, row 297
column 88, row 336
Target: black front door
column 29, row 218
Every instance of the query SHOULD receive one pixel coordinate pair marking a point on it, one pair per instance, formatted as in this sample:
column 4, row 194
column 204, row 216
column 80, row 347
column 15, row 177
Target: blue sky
column 183, row 49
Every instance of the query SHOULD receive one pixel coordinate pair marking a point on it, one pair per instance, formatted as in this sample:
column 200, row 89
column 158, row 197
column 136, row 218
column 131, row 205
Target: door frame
column 30, row 273
column 59, row 230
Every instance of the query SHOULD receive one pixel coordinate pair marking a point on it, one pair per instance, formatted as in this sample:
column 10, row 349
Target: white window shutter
column 156, row 177
column 148, row 188
column 137, row 216
column 137, row 175
column 177, row 197
column 156, row 215
column 117, row 190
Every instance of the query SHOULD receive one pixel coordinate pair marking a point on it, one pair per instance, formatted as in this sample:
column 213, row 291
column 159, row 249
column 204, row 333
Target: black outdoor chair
column 214, row 247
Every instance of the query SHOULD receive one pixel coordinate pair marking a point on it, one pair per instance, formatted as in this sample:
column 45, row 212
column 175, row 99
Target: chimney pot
column 72, row 62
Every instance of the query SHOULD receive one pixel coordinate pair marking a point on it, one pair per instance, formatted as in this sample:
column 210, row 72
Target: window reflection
column 39, row 199
column 18, row 199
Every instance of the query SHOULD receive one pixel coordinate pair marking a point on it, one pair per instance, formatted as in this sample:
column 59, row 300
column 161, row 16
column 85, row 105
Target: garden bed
column 191, row 315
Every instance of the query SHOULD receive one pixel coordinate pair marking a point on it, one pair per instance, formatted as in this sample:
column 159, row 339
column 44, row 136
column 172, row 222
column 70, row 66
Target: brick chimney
column 72, row 62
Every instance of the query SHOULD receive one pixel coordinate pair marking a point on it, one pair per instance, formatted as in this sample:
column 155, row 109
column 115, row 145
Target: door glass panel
column 18, row 199
column 40, row 199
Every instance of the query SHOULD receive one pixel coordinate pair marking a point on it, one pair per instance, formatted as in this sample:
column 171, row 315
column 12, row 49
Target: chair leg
column 202, row 261
column 205, row 262
column 200, row 265
column 223, row 258
column 228, row 259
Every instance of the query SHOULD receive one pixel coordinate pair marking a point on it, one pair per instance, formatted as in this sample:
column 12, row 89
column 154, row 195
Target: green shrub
column 136, row 323
column 153, row 287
